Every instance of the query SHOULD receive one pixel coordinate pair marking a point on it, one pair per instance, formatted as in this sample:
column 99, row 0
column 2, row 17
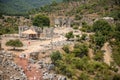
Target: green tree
column 99, row 40
column 84, row 76
column 86, row 27
column 69, row 35
column 14, row 43
column 54, row 3
column 55, row 56
column 78, row 17
column 66, row 48
column 117, row 31
column 41, row 20
column 98, row 56
column 79, row 63
column 116, row 53
column 102, row 26
column 80, row 50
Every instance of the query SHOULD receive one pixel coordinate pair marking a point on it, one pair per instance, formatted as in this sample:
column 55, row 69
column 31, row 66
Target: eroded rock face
column 8, row 69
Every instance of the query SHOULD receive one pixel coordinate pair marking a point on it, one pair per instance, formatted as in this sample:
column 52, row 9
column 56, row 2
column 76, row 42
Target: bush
column 84, row 76
column 99, row 40
column 69, row 35
column 66, row 48
column 116, row 77
column 117, row 31
column 116, row 52
column 78, row 17
column 79, row 64
column 14, row 43
column 80, row 50
column 86, row 27
column 75, row 27
column 55, row 56
column 100, row 66
column 8, row 30
column 116, row 56
column 83, row 37
column 98, row 56
column 64, row 69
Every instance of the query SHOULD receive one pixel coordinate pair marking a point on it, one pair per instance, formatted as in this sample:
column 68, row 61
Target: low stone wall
column 11, row 35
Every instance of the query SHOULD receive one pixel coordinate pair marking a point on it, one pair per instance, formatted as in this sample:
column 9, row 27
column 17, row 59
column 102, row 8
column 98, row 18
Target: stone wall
column 60, row 22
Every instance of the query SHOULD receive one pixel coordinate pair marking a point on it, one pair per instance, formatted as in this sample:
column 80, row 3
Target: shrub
column 84, row 76
column 98, row 56
column 66, row 48
column 55, row 56
column 14, row 43
column 80, row 50
column 75, row 27
column 116, row 77
column 69, row 35
column 83, row 37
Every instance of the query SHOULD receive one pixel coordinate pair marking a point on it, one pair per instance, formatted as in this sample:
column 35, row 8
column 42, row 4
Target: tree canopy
column 117, row 31
column 102, row 26
column 80, row 50
column 41, row 20
column 55, row 56
column 99, row 40
column 22, row 6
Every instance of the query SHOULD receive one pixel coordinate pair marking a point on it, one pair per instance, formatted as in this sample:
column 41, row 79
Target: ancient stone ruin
column 60, row 22
column 8, row 69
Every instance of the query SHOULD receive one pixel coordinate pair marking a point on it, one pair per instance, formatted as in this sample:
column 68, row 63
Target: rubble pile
column 8, row 69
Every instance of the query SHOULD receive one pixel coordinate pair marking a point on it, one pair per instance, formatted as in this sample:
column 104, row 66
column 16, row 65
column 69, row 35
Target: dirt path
column 90, row 53
column 107, row 53
column 32, row 73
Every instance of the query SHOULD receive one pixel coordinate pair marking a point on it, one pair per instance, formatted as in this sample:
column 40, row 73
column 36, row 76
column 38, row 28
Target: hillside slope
column 81, row 10
column 21, row 6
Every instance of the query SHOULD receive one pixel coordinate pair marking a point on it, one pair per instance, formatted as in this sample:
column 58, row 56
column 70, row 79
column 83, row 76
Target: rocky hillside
column 81, row 10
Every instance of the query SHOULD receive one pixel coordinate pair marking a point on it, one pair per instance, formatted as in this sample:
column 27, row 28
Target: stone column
column 19, row 31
